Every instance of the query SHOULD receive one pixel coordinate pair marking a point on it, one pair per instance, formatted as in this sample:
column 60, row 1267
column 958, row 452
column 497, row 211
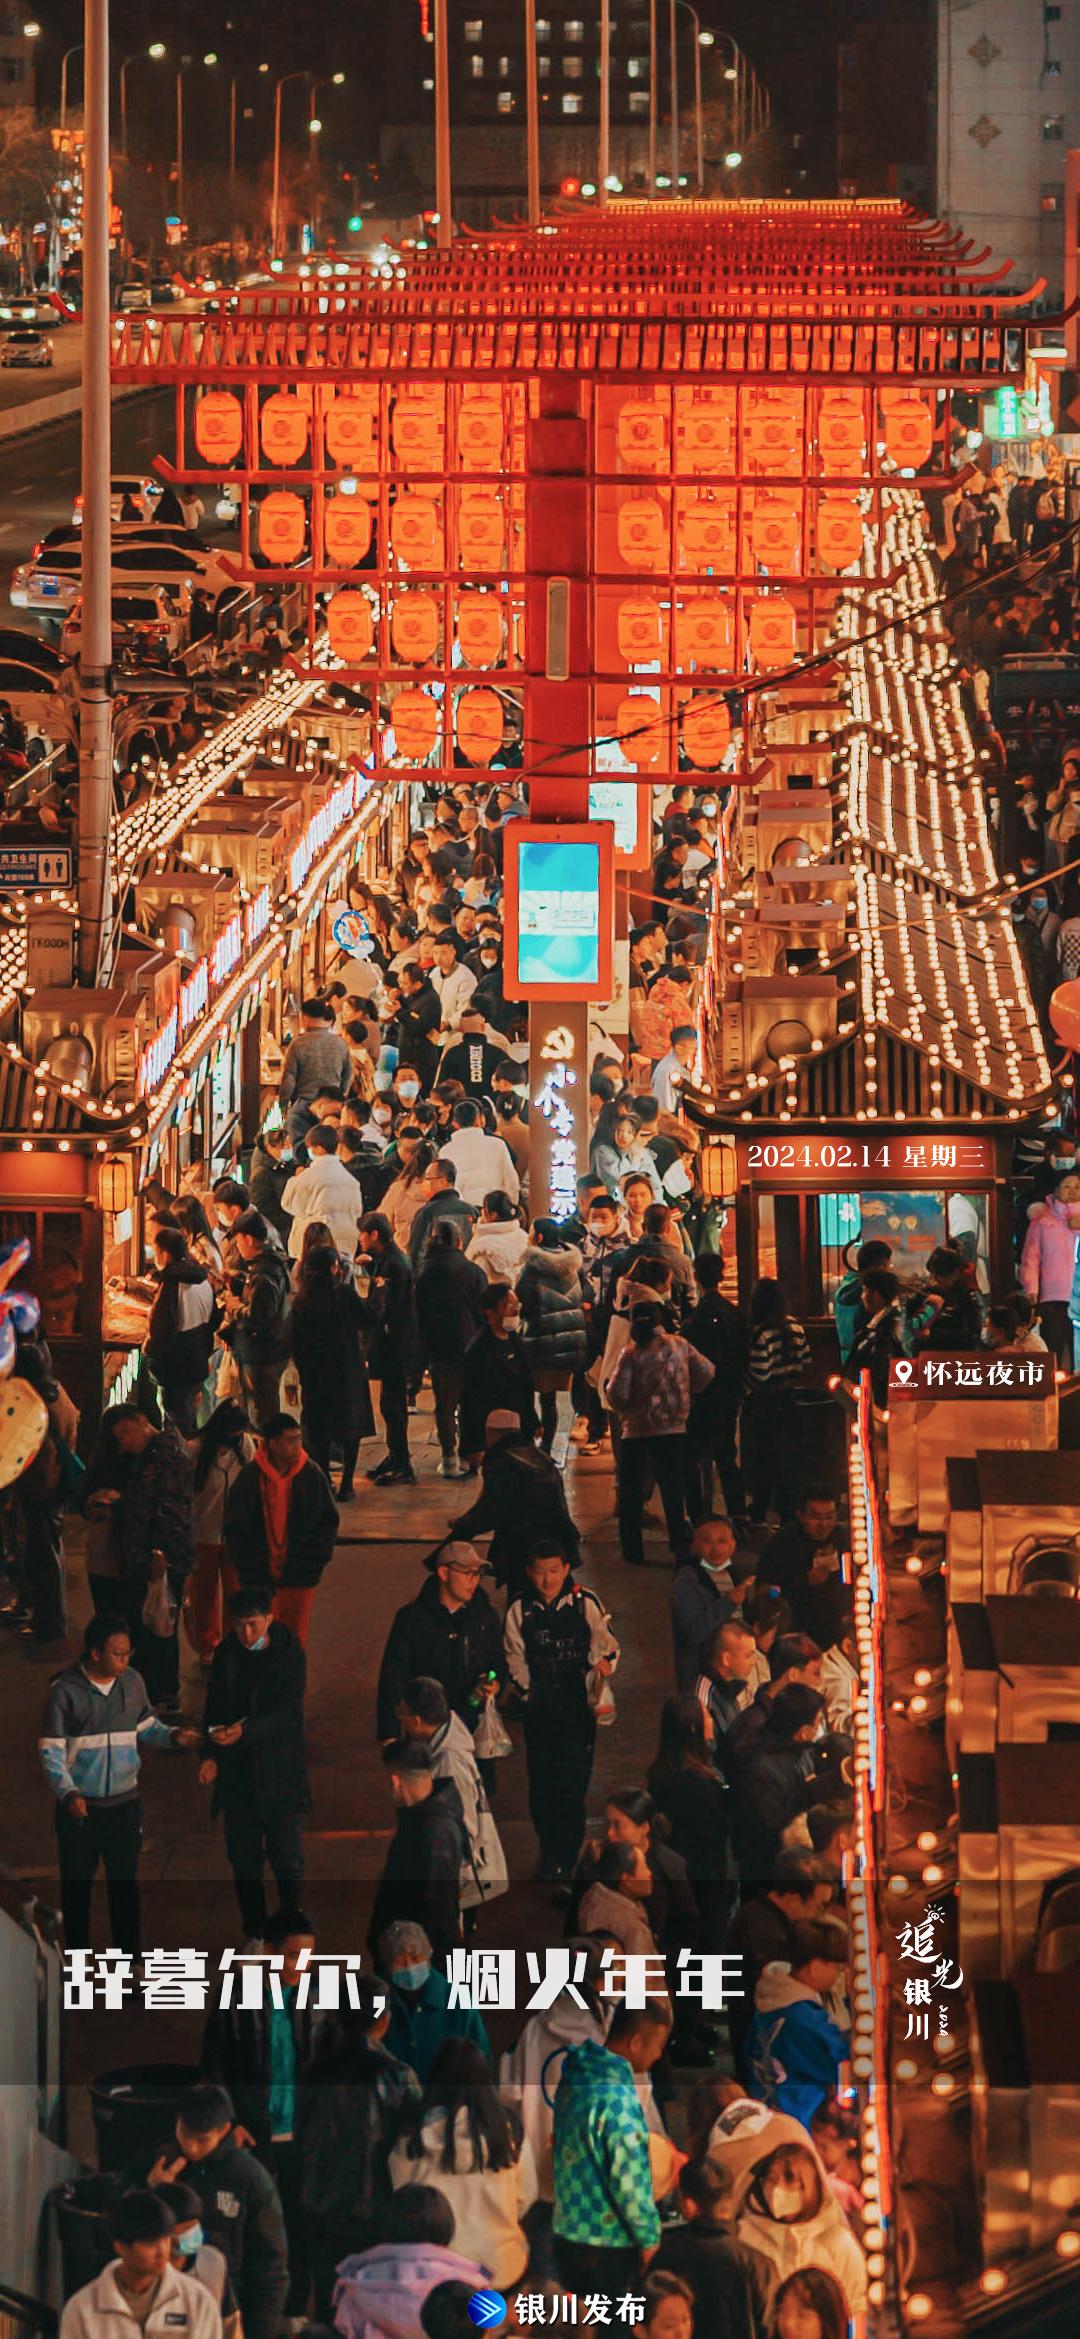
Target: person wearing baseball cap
column 451, row 1633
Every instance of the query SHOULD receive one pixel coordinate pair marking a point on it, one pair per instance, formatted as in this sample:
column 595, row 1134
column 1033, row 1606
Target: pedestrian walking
column 97, row 1721
column 450, row 1293
column 253, row 1755
column 217, row 1457
column 464, row 2140
column 317, row 1058
column 499, row 1242
column 605, row 2220
column 180, row 1334
column 521, row 1498
column 325, row 1192
column 553, row 1327
column 329, row 1324
column 140, row 2294
column 421, row 1878
column 560, row 1648
column 496, row 1375
column 353, row 2095
column 241, row 2206
column 777, row 1357
column 449, row 1633
column 281, row 1524
column 424, row 1714
column 651, row 1390
column 258, row 1326
column 393, row 1343
column 138, row 1494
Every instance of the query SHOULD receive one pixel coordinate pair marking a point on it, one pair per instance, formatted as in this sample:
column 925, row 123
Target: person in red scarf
column 281, row 1523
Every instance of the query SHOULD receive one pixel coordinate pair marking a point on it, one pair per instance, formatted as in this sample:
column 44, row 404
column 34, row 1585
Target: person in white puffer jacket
column 484, row 1165
column 500, row 1241
column 324, row 1191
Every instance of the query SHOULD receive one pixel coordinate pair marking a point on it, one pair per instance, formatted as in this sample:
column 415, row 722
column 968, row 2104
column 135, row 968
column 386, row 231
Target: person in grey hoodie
column 97, row 1720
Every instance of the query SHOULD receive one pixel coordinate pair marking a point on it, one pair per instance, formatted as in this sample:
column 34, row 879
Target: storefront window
column 913, row 1224
column 55, row 1269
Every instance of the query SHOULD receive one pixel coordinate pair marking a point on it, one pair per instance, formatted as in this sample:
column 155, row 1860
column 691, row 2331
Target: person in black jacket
column 879, row 1342
column 352, row 2096
column 281, row 1523
column 268, row 1177
column 421, row 1878
column 138, row 1488
column 496, row 1374
column 253, row 1754
column 241, row 2208
column 392, row 1350
column 180, row 1334
column 329, row 1319
column 732, row 2284
column 716, row 1329
column 521, row 1501
column 450, row 1295
column 258, row 1326
column 776, row 1781
column 450, row 1633
column 418, row 1016
column 553, row 1324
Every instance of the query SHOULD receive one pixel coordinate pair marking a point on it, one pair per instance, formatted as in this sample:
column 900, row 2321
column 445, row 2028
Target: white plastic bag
column 159, row 1608
column 491, row 1737
column 601, row 1700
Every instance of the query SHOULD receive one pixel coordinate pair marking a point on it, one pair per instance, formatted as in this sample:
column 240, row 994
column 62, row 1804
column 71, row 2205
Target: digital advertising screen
column 559, row 911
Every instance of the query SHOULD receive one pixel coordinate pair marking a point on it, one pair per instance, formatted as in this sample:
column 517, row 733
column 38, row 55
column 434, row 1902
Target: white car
column 51, row 580
column 151, row 622
column 26, row 346
column 137, row 489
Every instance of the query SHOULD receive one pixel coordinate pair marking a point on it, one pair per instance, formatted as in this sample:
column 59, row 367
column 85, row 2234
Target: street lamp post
column 532, row 116
column 186, row 67
column 673, row 34
column 699, row 117
column 443, row 166
column 654, row 75
column 73, row 52
column 157, row 51
column 275, row 200
column 314, row 127
column 95, row 651
column 604, row 172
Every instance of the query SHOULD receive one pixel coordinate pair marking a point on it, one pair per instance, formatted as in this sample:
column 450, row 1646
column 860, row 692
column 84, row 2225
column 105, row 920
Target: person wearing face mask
column 405, row 1086
column 418, row 1999
column 701, row 1596
column 191, row 2253
column 253, row 1755
column 787, row 2210
column 776, row 1780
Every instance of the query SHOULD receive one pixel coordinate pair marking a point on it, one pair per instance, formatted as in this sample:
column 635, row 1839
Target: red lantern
column 775, row 529
column 480, row 430
column 640, row 729
column 480, row 724
column 705, row 632
column 706, row 732
column 641, row 435
column 1065, row 1013
column 639, row 630
column 415, row 718
column 841, row 433
column 219, row 426
column 418, row 428
column 414, row 628
column 839, row 532
column 282, row 527
column 346, row 530
column 350, row 626
column 480, row 628
column 706, row 533
column 480, row 531
column 283, row 428
column 414, row 531
column 909, row 429
column 350, row 425
column 772, row 429
column 641, row 532
column 707, row 436
column 772, row 631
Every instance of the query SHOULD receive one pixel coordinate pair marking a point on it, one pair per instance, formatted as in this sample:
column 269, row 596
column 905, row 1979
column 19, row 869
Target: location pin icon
column 903, row 1369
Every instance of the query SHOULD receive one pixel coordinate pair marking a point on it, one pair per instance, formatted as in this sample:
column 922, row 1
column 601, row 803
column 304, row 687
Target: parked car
column 152, row 623
column 50, row 581
column 132, row 296
column 26, row 346
column 138, row 488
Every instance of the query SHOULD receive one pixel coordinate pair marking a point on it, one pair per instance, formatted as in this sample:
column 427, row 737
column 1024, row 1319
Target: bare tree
column 29, row 182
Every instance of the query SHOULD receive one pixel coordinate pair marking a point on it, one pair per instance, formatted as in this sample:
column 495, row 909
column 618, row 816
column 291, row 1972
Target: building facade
column 1008, row 109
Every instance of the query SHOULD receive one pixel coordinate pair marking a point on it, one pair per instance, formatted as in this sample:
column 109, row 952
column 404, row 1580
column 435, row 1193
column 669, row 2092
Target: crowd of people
column 373, row 2168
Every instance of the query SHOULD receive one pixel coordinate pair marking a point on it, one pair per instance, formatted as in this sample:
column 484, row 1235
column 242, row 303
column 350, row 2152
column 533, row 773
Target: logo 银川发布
column 487, row 2309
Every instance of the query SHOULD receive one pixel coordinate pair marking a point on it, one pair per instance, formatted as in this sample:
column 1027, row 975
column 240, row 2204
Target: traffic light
column 355, row 224
column 571, row 186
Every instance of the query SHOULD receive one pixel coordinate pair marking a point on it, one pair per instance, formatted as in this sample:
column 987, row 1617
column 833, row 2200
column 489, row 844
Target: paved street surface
column 188, row 1896
column 39, row 474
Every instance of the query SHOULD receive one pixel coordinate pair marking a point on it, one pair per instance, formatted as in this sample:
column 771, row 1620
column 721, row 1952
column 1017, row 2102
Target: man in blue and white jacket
column 97, row 1719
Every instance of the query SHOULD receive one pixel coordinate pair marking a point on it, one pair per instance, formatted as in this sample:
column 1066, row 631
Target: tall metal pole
column 654, row 76
column 674, row 31
column 275, row 200
column 180, row 147
column 532, row 116
column 68, row 53
column 232, row 155
column 123, row 106
column 699, row 117
column 604, row 172
column 95, row 653
column 443, row 185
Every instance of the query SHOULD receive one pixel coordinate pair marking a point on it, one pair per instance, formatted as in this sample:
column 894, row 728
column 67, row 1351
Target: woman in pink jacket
column 1048, row 1263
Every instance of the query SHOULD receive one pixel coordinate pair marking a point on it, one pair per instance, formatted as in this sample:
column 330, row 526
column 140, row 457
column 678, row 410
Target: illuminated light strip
column 870, row 1974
